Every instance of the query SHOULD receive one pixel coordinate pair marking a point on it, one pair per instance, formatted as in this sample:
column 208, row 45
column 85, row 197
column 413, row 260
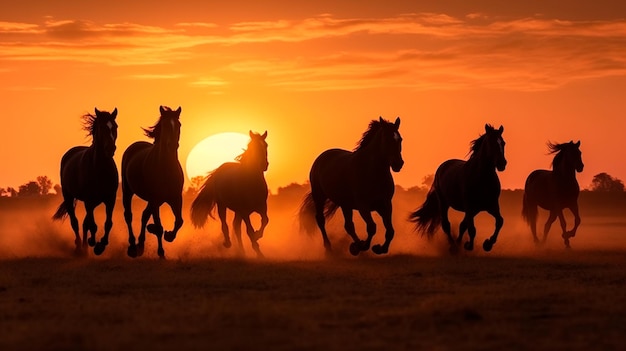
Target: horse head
column 493, row 145
column 568, row 155
column 256, row 152
column 166, row 132
column 392, row 143
column 103, row 128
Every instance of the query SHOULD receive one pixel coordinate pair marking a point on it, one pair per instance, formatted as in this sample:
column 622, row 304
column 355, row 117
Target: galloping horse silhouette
column 555, row 190
column 240, row 187
column 468, row 186
column 152, row 172
column 89, row 174
column 356, row 180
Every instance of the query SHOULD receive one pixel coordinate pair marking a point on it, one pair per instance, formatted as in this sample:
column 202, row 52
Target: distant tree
column 3, row 191
column 45, row 184
column 29, row 189
column 428, row 180
column 606, row 183
column 194, row 187
column 12, row 192
column 57, row 189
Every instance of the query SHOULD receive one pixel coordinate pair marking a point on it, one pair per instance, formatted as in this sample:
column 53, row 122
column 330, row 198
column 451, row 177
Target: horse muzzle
column 397, row 166
column 501, row 166
column 580, row 168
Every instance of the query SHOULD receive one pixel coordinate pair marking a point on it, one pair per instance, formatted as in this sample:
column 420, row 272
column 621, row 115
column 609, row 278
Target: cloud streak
column 417, row 51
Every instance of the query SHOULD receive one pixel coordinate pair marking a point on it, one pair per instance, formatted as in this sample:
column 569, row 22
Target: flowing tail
column 306, row 214
column 529, row 211
column 428, row 217
column 61, row 212
column 204, row 203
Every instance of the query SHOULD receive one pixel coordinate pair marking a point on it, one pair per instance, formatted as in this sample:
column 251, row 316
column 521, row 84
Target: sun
column 213, row 151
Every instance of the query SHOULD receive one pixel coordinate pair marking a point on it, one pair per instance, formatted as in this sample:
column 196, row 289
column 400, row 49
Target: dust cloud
column 27, row 230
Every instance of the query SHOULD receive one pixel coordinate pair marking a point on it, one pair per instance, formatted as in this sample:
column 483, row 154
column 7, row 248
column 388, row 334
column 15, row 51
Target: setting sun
column 213, row 151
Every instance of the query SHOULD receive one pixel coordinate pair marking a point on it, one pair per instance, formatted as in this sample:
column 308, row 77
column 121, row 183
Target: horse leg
column 572, row 233
column 128, row 218
column 221, row 212
column 385, row 214
column 145, row 216
column 348, row 225
column 71, row 212
column 89, row 225
column 237, row 229
column 155, row 228
column 321, row 220
column 488, row 243
column 462, row 229
column 176, row 206
column 264, row 221
column 546, row 228
column 533, row 226
column 108, row 224
column 250, row 231
column 445, row 226
column 471, row 230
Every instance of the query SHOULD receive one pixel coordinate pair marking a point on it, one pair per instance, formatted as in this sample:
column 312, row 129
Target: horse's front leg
column 488, row 244
column 108, row 224
column 264, row 221
column 145, row 216
column 250, row 231
column 156, row 228
column 89, row 225
column 237, row 229
column 357, row 245
column 389, row 231
column 176, row 206
column 572, row 233
column 471, row 229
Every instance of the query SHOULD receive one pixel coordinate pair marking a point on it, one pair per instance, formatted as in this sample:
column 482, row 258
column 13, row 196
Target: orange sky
column 314, row 75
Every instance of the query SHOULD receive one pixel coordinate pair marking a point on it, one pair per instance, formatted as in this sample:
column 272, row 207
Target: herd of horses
column 359, row 180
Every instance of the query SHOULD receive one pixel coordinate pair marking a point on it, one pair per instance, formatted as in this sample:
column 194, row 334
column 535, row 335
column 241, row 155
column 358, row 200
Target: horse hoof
column 154, row 229
column 378, row 249
column 487, row 245
column 132, row 251
column 92, row 242
column 469, row 246
column 169, row 236
column 161, row 253
column 227, row 244
column 354, row 249
column 99, row 249
column 140, row 248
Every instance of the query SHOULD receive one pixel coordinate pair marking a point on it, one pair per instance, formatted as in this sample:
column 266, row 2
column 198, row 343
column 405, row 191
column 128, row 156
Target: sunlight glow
column 213, row 151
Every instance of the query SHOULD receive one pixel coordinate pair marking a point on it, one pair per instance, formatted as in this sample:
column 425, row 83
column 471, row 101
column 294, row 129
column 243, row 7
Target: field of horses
column 519, row 296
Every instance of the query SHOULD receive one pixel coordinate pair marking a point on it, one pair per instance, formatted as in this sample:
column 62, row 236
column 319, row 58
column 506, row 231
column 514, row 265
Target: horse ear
column 578, row 143
column 380, row 118
column 264, row 135
column 250, row 134
column 114, row 113
column 397, row 122
column 161, row 109
column 501, row 129
column 178, row 110
column 97, row 111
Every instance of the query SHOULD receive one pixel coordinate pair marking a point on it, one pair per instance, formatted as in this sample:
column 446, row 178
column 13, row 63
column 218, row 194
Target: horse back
column 544, row 188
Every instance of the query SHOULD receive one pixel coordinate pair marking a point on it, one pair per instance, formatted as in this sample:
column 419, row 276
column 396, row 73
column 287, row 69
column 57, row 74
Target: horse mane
column 89, row 121
column 556, row 149
column 151, row 132
column 247, row 153
column 477, row 143
column 368, row 135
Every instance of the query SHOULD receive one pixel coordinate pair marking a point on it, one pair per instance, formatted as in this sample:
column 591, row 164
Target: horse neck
column 371, row 157
column 481, row 162
column 160, row 152
column 95, row 154
column 564, row 171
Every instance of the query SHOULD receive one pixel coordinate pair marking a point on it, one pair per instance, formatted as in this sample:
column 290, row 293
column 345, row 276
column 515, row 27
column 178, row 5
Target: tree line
column 42, row 185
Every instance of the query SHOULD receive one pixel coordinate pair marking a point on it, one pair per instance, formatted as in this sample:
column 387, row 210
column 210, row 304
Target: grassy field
column 519, row 296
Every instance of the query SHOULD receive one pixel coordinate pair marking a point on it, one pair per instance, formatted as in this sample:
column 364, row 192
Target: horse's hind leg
column 319, row 217
column 357, row 245
column 155, row 228
column 572, row 233
column 546, row 227
column 237, row 229
column 488, row 243
column 145, row 216
column 221, row 212
column 445, row 225
column 89, row 225
column 127, row 198
column 71, row 212
column 250, row 231
column 471, row 230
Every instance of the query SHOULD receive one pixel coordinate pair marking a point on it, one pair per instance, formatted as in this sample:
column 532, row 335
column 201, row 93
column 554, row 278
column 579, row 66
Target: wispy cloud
column 418, row 50
column 154, row 76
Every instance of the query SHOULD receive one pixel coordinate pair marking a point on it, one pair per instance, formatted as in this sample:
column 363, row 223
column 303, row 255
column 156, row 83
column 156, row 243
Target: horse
column 153, row 173
column 238, row 186
column 554, row 190
column 356, row 180
column 468, row 186
column 89, row 174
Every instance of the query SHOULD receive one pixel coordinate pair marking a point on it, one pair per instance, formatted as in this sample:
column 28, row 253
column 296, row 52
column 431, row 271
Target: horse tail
column 529, row 211
column 61, row 212
column 428, row 217
column 307, row 212
column 204, row 203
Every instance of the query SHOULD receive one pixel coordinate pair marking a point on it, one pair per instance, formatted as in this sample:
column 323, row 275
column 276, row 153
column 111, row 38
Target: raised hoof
column 378, row 249
column 354, row 249
column 227, row 244
column 169, row 236
column 99, row 248
column 154, row 229
column 469, row 245
column 487, row 245
column 257, row 235
column 132, row 251
column 91, row 241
